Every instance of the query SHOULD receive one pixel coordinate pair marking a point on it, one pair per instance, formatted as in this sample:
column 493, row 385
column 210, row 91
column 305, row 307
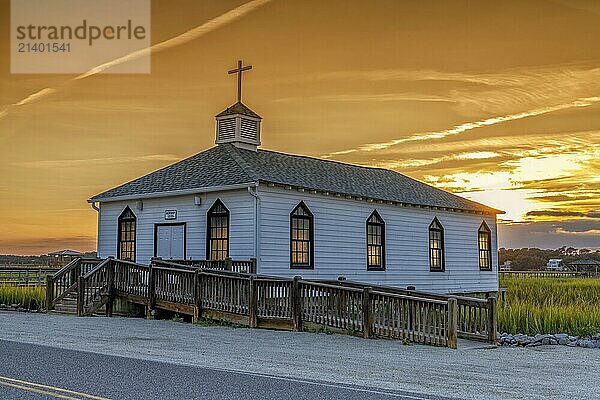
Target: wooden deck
column 275, row 302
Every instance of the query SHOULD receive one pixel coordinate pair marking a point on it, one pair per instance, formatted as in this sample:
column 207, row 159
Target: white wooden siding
column 340, row 237
column 241, row 216
column 340, row 243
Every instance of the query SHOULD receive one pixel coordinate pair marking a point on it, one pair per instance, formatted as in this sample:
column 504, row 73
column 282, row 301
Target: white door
column 170, row 241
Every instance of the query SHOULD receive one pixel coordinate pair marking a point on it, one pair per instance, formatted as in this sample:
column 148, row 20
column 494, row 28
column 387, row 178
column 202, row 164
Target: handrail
column 227, row 274
column 72, row 264
column 170, row 269
column 329, row 286
column 97, row 267
column 391, row 289
column 407, row 297
column 407, row 292
column 129, row 262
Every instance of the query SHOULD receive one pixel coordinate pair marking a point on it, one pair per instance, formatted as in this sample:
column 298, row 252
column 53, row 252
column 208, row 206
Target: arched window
column 301, row 237
column 485, row 247
column 217, row 232
column 436, row 246
column 375, row 242
column 126, row 235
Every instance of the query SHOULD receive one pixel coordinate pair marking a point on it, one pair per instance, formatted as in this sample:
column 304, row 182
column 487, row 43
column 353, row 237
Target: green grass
column 31, row 298
column 551, row 305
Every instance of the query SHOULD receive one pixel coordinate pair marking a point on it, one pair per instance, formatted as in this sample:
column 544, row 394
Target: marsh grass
column 537, row 305
column 30, row 298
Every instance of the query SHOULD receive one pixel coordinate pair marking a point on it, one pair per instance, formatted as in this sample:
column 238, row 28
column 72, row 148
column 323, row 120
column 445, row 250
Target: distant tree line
column 534, row 259
column 9, row 259
column 522, row 259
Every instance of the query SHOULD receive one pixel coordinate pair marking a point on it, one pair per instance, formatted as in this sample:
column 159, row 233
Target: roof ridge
column 239, row 160
column 329, row 161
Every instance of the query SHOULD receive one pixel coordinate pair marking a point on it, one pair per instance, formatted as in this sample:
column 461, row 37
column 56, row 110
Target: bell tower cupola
column 238, row 124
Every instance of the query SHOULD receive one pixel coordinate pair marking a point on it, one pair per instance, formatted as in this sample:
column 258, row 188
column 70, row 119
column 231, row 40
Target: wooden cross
column 239, row 71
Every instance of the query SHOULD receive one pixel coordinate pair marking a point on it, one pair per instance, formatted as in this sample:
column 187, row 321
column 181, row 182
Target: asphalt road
column 240, row 361
column 30, row 371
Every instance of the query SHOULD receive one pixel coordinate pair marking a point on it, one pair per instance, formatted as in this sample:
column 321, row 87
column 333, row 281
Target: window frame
column 122, row 218
column 442, row 248
column 381, row 225
column 484, row 229
column 311, row 239
column 209, row 227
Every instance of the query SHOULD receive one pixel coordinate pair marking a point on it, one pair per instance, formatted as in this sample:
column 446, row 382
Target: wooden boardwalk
column 273, row 302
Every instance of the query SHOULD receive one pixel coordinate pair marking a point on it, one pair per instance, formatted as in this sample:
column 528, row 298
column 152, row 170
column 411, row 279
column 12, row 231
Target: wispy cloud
column 556, row 213
column 466, row 156
column 70, row 163
column 424, row 136
column 178, row 40
column 362, row 98
column 492, row 92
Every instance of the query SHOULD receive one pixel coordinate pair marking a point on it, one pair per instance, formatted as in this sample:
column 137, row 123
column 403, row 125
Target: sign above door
column 170, row 214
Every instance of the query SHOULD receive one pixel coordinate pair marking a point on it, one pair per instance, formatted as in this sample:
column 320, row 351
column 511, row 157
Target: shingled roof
column 227, row 164
column 238, row 108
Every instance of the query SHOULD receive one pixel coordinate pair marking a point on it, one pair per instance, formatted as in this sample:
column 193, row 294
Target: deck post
column 49, row 292
column 492, row 319
column 151, row 292
column 452, row 322
column 228, row 264
column 296, row 300
column 253, row 266
column 197, row 297
column 110, row 287
column 367, row 313
column 80, row 295
column 503, row 292
column 252, row 306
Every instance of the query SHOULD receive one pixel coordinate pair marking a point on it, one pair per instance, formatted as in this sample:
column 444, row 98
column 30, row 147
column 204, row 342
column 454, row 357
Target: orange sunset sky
column 495, row 101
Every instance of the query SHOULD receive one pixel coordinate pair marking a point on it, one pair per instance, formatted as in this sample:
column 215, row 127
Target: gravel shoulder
column 471, row 372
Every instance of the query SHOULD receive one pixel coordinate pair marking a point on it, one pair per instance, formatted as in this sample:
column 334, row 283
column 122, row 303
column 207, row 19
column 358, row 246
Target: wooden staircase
column 79, row 288
column 68, row 303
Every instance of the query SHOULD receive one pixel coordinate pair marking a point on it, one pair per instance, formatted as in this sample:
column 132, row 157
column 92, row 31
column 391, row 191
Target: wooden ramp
column 271, row 302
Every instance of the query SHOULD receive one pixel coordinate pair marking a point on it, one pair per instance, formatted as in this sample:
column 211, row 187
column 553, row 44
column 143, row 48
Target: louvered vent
column 226, row 129
column 249, row 129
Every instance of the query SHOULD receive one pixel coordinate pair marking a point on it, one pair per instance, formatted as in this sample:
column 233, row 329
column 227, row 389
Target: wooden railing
column 66, row 279
column 224, row 293
column 273, row 297
column 284, row 303
column 228, row 264
column 295, row 304
column 476, row 318
column 95, row 288
column 131, row 278
column 332, row 306
column 173, row 285
column 547, row 274
column 399, row 316
column 31, row 276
